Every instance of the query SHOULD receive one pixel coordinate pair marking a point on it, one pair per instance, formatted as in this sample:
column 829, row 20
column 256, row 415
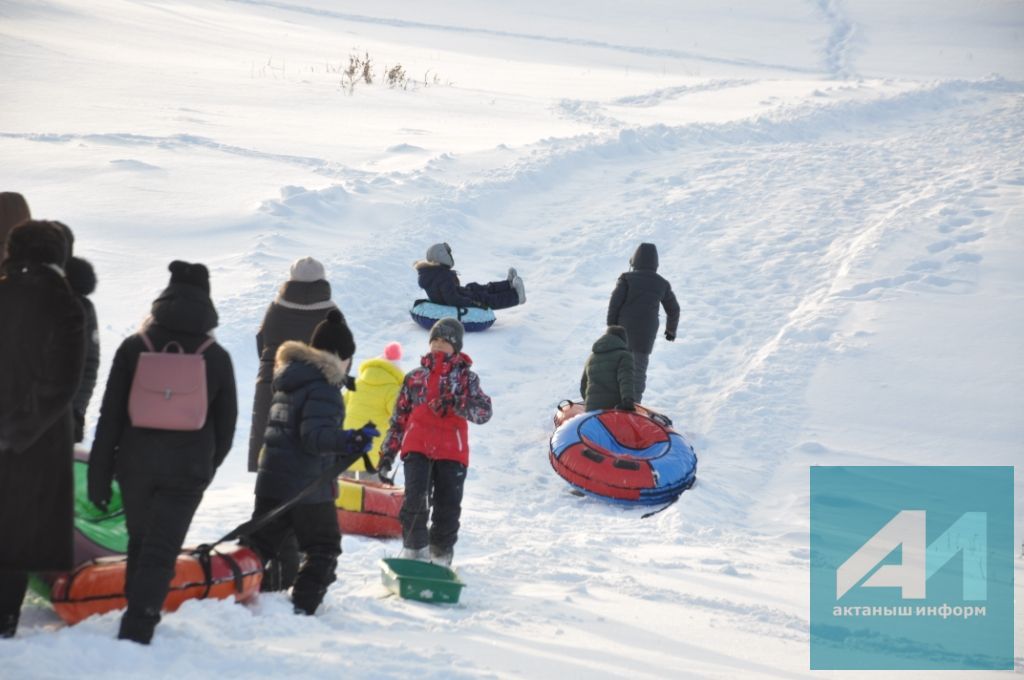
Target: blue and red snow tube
column 623, row 456
column 426, row 314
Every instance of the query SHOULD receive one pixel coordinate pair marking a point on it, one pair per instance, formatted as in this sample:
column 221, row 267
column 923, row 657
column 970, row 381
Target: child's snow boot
column 442, row 556
column 517, row 284
column 421, row 554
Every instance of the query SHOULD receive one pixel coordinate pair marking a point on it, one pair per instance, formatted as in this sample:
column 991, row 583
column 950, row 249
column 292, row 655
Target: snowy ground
column 836, row 190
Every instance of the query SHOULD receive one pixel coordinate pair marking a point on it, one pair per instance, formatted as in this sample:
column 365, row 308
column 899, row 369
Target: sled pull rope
column 664, row 507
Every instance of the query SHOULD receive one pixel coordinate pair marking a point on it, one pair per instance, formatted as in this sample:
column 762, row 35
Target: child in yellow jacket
column 377, row 386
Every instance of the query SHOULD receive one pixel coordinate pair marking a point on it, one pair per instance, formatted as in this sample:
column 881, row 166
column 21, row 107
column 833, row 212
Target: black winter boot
column 138, row 626
column 316, row 573
column 8, row 625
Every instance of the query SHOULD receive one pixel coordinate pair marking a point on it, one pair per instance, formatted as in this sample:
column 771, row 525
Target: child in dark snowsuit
column 441, row 282
column 429, row 430
column 607, row 380
column 303, row 439
column 634, row 306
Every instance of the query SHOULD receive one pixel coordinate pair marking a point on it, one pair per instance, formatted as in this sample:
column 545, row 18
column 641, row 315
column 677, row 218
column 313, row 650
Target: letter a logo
column 906, row 529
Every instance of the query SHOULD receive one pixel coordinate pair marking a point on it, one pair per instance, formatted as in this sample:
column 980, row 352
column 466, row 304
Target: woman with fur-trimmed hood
column 299, row 306
column 304, row 439
column 441, row 282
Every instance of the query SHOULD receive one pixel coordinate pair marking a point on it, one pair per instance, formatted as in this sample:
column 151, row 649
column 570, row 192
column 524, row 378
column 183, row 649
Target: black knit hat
column 450, row 330
column 332, row 335
column 191, row 274
column 37, row 241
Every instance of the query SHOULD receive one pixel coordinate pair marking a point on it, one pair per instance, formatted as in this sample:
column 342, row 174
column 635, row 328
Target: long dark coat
column 299, row 307
column 183, row 313
column 42, row 350
column 608, row 375
column 636, row 298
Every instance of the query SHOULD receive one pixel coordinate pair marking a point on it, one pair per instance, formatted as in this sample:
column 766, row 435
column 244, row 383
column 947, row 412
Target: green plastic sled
column 420, row 581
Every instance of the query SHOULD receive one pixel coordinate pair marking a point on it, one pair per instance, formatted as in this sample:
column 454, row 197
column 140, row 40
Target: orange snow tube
column 369, row 508
column 97, row 587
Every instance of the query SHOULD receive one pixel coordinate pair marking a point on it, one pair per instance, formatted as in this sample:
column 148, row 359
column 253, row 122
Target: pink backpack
column 169, row 388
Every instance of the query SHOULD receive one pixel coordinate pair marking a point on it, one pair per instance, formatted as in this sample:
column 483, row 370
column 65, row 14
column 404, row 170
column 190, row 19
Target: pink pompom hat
column 393, row 352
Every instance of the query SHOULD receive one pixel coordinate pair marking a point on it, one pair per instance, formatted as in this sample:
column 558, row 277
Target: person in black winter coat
column 304, row 439
column 42, row 349
column 299, row 306
column 162, row 473
column 441, row 283
column 82, row 279
column 634, row 306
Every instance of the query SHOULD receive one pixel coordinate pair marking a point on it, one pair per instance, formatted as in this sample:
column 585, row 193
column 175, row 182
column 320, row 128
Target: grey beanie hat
column 440, row 253
column 450, row 330
column 307, row 269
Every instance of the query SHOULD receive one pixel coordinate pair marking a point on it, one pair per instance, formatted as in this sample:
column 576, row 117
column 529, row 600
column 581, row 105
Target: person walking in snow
column 42, row 351
column 163, row 473
column 634, row 306
column 429, row 429
column 304, row 438
column 441, row 282
column 608, row 380
column 300, row 305
column 82, row 278
column 378, row 383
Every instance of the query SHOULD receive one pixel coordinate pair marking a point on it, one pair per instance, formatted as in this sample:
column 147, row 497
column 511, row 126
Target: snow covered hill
column 836, row 191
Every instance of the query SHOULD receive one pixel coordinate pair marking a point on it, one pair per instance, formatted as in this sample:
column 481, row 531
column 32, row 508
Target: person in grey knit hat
column 300, row 305
column 441, row 282
column 450, row 330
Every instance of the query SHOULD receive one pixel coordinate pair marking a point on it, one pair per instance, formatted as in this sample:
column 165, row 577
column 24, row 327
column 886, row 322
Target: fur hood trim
column 331, row 365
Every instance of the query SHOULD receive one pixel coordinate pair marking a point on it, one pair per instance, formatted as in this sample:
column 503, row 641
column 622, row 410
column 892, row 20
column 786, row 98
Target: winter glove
column 79, row 426
column 350, row 383
column 442, row 406
column 361, row 440
column 100, row 492
column 670, row 336
column 626, row 405
column 384, row 470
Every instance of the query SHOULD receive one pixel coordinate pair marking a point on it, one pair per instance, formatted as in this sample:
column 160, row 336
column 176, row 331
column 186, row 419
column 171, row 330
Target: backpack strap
column 203, row 347
column 145, row 339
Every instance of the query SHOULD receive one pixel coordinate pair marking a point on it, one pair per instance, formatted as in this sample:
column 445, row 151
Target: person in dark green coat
column 608, row 375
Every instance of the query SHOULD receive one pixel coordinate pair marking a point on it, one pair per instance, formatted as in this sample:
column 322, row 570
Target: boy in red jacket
column 429, row 429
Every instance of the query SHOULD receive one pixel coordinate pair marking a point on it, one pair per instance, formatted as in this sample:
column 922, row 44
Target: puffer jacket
column 185, row 314
column 435, row 403
column 442, row 285
column 608, row 374
column 636, row 298
column 377, row 387
column 304, row 435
